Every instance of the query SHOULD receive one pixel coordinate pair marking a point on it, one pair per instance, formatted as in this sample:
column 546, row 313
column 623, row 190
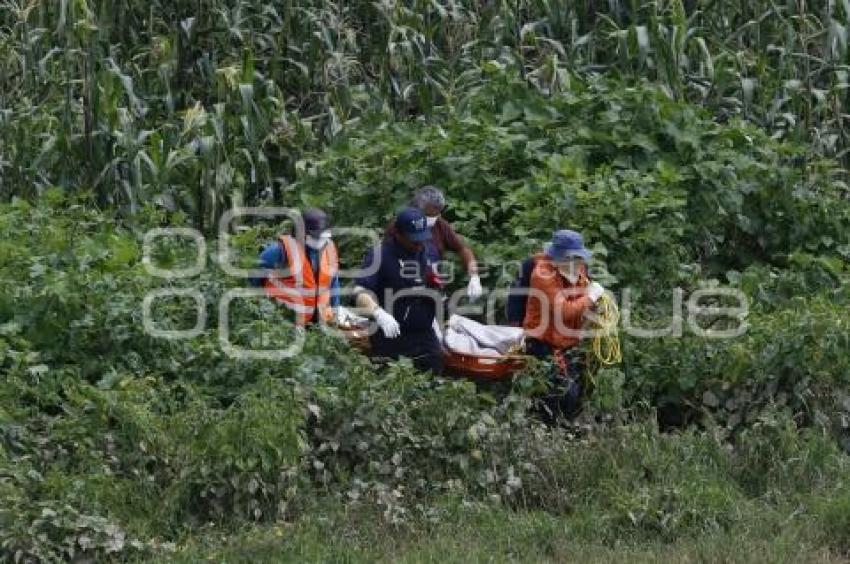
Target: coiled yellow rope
column 606, row 341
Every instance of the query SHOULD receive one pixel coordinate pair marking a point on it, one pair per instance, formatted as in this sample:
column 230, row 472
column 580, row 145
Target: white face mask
column 431, row 220
column 318, row 242
column 570, row 270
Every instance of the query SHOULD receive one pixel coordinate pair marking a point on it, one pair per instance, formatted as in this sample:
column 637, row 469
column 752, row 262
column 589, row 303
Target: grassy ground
column 777, row 495
column 494, row 535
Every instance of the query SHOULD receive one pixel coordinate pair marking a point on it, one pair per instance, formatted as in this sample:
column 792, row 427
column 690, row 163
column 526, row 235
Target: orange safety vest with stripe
column 303, row 291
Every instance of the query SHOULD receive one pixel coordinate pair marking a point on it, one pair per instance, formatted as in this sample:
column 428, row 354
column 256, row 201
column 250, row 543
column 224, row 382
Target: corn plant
column 95, row 95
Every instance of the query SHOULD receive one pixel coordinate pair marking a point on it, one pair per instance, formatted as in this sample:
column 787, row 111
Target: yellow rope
column 606, row 342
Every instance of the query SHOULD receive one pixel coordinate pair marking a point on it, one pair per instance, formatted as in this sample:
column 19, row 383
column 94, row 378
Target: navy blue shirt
column 518, row 298
column 400, row 270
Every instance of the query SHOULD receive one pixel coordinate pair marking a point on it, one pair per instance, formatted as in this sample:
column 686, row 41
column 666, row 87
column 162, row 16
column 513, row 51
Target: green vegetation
column 695, row 144
column 201, row 105
column 669, row 199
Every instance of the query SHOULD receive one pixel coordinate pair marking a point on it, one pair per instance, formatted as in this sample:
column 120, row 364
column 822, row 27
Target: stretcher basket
column 475, row 367
column 357, row 337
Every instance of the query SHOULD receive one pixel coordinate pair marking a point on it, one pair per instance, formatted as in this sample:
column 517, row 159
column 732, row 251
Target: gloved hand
column 473, row 289
column 387, row 323
column 595, row 291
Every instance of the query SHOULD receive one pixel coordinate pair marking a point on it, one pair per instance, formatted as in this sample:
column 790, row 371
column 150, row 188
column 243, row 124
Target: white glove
column 387, row 323
column 595, row 291
column 347, row 318
column 473, row 289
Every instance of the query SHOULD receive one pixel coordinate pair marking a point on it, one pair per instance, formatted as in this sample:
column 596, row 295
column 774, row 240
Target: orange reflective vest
column 303, row 291
column 555, row 302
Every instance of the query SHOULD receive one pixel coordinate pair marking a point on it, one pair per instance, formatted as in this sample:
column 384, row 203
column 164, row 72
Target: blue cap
column 566, row 244
column 412, row 223
column 315, row 221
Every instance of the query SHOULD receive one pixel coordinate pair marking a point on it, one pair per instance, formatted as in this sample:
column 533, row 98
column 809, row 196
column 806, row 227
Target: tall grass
column 201, row 104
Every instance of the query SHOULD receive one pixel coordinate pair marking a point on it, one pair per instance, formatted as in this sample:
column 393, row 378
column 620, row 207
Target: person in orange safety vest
column 307, row 280
column 562, row 293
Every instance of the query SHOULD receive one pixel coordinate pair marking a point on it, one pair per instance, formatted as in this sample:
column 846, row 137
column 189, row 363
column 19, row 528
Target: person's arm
column 368, row 286
column 538, row 313
column 533, row 314
column 469, row 262
column 335, row 300
column 271, row 258
column 365, row 302
column 455, row 242
column 572, row 308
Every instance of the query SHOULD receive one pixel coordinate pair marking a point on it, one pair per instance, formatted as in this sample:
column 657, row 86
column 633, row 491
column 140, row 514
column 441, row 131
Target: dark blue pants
column 422, row 347
column 564, row 397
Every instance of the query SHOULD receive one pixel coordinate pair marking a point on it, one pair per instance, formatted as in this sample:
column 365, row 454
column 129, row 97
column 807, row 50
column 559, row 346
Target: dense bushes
column 795, row 357
column 668, row 198
column 113, row 440
column 410, row 437
column 110, row 435
column 117, row 444
column 643, row 177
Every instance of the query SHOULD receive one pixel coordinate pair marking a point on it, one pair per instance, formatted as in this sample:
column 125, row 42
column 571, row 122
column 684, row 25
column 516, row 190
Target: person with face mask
column 401, row 293
column 431, row 201
column 561, row 292
column 308, row 283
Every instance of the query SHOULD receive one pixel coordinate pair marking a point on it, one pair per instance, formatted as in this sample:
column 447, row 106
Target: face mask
column 318, row 242
column 571, row 277
column 432, row 221
column 570, row 271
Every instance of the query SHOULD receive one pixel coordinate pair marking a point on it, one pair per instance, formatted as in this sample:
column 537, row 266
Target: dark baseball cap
column 315, row 221
column 413, row 224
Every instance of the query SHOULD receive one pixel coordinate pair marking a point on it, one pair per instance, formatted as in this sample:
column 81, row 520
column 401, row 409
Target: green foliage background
column 202, row 105
column 695, row 144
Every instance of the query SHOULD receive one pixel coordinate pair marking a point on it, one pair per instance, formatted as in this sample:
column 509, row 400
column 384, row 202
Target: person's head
column 569, row 254
column 316, row 228
column 412, row 229
column 431, row 201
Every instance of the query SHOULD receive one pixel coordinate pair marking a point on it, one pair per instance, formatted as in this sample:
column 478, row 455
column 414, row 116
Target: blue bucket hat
column 412, row 222
column 566, row 244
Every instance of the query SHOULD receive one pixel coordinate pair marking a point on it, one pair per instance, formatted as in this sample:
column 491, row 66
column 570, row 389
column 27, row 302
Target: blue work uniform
column 518, row 296
column 273, row 257
column 415, row 310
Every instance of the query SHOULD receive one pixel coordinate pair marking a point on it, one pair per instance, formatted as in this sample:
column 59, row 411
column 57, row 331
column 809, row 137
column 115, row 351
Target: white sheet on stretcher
column 467, row 336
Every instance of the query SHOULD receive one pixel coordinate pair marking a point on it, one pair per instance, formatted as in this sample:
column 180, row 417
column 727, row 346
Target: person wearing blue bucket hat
column 567, row 244
column 401, row 293
column 561, row 292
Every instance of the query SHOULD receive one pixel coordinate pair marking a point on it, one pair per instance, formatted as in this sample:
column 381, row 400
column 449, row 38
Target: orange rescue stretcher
column 481, row 368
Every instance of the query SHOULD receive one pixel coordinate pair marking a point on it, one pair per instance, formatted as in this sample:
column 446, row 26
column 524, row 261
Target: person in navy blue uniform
column 403, row 293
